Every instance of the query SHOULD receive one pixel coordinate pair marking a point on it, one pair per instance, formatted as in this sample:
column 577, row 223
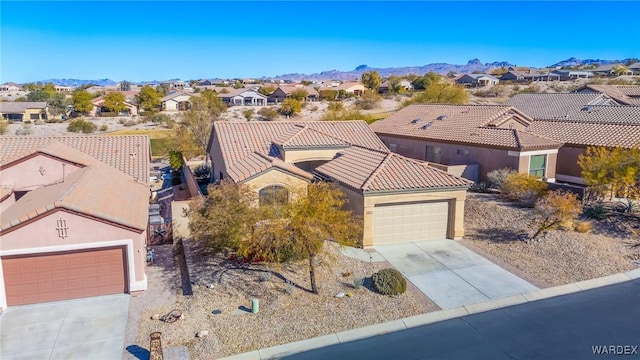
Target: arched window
column 274, row 195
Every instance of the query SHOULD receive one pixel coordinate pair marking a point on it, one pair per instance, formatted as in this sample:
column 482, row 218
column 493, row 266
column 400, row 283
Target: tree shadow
column 501, row 235
column 139, row 352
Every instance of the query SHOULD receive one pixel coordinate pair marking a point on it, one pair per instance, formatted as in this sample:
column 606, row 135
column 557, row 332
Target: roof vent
column 587, row 108
column 415, row 120
column 425, row 126
column 442, row 117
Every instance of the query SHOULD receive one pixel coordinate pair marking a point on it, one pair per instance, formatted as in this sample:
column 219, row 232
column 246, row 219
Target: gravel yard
column 493, row 227
column 288, row 312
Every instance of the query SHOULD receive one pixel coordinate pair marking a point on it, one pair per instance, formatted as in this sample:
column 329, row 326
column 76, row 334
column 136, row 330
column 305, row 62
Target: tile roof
column 20, row 107
column 623, row 94
column 554, row 105
column 128, row 153
column 374, row 170
column 603, row 114
column 288, row 89
column 175, row 94
column 306, row 137
column 90, row 191
column 464, row 124
column 589, row 133
column 256, row 163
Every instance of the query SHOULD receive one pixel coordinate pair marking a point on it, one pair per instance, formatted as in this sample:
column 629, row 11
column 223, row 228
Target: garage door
column 60, row 276
column 410, row 222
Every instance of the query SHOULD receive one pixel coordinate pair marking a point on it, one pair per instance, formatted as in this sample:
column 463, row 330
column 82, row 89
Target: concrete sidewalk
column 429, row 318
column 452, row 275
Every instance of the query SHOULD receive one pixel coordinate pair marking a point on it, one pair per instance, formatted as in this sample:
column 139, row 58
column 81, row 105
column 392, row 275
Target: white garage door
column 410, row 222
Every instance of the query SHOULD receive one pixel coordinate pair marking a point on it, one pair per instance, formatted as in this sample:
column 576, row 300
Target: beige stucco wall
column 39, row 114
column 42, row 233
column 274, row 176
column 550, row 167
column 567, row 164
column 293, row 156
column 26, row 175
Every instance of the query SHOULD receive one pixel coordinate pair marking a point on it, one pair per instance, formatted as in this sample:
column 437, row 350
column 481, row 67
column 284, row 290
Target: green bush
column 597, row 212
column 389, row 282
column 523, row 188
column 81, row 125
column 4, row 127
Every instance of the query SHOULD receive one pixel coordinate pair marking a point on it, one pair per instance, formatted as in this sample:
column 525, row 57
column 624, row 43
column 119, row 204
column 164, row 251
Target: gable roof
column 20, row 107
column 304, row 137
column 256, row 163
column 589, row 133
column 464, row 124
column 86, row 191
column 235, row 92
column 623, row 94
column 175, row 94
column 373, row 170
column 554, row 105
column 130, row 154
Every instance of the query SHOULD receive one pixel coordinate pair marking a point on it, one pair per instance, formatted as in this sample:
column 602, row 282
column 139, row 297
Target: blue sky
column 158, row 40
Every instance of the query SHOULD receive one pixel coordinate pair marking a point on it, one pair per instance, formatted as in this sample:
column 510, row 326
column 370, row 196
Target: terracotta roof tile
column 589, row 133
column 464, row 124
column 307, row 137
column 624, row 94
column 554, row 105
column 92, row 190
column 371, row 170
column 20, row 107
column 127, row 153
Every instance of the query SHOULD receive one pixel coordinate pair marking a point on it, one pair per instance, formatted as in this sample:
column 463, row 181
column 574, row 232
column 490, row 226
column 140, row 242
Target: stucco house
column 10, row 87
column 349, row 87
column 621, row 94
column 24, row 111
column 132, row 108
column 177, row 101
column 400, row 199
column 477, row 80
column 284, row 91
column 556, row 105
column 66, row 229
column 243, row 96
column 469, row 140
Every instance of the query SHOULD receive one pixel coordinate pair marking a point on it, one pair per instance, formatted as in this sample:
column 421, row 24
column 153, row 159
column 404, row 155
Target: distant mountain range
column 440, row 68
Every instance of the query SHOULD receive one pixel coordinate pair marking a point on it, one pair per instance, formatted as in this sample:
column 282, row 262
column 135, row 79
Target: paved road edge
column 430, row 318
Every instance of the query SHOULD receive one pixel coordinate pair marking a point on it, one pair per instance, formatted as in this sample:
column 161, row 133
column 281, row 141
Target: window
column 274, row 195
column 393, row 147
column 537, row 164
column 433, row 154
column 462, row 152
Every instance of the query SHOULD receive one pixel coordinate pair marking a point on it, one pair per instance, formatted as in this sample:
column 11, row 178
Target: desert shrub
column 175, row 160
column 627, row 206
column 596, row 211
column 25, row 130
column 583, row 226
column 53, row 121
column 158, row 118
column 314, row 108
column 81, row 125
column 480, row 187
column 27, row 121
column 556, row 209
column 103, row 128
column 268, row 113
column 4, row 127
column 335, row 106
column 369, row 100
column 496, row 177
column 290, row 107
column 523, row 188
column 357, row 282
column 248, row 114
column 389, row 282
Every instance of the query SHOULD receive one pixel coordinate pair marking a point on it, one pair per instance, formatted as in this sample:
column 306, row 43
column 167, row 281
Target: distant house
column 176, row 85
column 283, row 92
column 622, row 94
column 475, row 80
column 10, row 87
column 177, row 101
column 73, row 217
column 573, row 74
column 348, row 87
column 63, row 89
column 610, row 70
column 23, row 111
column 99, row 109
column 635, row 67
column 529, row 76
column 556, row 105
column 405, row 85
column 469, row 140
column 243, row 96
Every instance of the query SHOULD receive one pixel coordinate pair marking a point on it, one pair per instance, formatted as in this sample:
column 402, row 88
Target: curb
column 432, row 317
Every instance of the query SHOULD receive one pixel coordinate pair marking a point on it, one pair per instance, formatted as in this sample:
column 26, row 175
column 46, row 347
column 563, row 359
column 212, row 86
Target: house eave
column 416, row 190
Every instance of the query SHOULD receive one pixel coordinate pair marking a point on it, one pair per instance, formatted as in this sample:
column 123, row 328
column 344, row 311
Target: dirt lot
column 221, row 303
column 497, row 228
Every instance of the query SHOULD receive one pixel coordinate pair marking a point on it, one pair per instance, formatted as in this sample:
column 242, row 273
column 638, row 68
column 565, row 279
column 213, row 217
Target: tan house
column 66, row 233
column 349, row 87
column 24, row 111
column 622, row 94
column 177, row 101
column 400, row 199
column 132, row 108
column 10, row 87
column 243, row 97
column 284, row 92
column 609, row 126
column 469, row 140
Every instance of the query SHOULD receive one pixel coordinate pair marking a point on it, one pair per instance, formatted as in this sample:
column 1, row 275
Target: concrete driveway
column 452, row 275
column 89, row 328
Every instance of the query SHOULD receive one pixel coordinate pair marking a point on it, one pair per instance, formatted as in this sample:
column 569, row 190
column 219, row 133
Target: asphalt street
column 602, row 323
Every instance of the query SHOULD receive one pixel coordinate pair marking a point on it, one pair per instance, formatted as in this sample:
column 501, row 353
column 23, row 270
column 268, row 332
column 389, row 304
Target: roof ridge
column 516, row 134
column 377, row 170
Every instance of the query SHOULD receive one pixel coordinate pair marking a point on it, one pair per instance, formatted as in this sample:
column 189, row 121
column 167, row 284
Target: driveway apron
column 452, row 275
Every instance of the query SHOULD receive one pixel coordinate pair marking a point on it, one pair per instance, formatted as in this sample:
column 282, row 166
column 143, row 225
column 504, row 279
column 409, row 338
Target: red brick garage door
column 61, row 276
